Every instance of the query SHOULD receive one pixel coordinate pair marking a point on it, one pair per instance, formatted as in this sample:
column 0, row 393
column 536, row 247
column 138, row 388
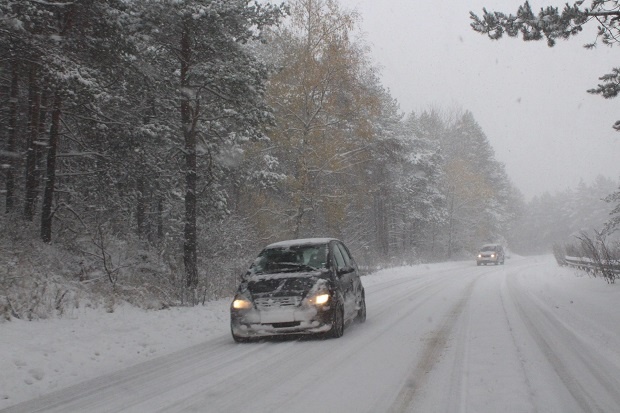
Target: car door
column 346, row 273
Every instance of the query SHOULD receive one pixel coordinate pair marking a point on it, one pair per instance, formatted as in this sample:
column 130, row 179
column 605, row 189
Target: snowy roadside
column 45, row 355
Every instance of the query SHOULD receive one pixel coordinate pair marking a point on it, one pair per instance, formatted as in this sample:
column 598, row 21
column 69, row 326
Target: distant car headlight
column 319, row 299
column 479, row 255
column 492, row 255
column 241, row 303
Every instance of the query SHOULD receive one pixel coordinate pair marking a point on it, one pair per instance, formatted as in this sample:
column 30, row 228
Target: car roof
column 302, row 241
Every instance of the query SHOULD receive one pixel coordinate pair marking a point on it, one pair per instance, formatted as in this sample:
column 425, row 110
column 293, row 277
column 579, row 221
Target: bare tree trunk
column 160, row 218
column 144, row 223
column 189, row 134
column 39, row 161
column 50, row 176
column 381, row 217
column 34, row 100
column 12, row 139
column 298, row 220
column 141, row 208
column 302, row 179
column 451, row 224
column 381, row 225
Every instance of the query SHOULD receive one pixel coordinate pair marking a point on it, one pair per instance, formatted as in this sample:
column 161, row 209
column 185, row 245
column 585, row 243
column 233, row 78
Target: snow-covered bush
column 593, row 252
column 38, row 280
column 603, row 255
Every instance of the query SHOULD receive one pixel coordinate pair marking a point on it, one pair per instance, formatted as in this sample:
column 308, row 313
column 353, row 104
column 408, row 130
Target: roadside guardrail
column 590, row 265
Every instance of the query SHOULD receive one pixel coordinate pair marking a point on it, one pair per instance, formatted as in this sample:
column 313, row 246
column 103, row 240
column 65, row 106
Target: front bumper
column 255, row 323
column 487, row 260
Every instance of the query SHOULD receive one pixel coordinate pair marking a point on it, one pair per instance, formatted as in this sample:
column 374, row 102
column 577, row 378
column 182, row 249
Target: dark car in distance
column 298, row 287
column 491, row 254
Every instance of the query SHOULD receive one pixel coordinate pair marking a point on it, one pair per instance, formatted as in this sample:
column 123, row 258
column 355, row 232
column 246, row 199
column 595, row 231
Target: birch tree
column 319, row 97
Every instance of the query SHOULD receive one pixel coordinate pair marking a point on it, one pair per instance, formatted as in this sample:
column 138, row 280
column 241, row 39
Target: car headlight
column 492, row 255
column 319, row 299
column 241, row 303
column 479, row 255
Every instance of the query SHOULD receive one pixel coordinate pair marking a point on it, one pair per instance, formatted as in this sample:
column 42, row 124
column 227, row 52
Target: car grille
column 286, row 325
column 275, row 302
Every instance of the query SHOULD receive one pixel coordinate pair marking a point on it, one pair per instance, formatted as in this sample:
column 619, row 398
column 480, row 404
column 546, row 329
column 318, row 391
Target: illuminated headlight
column 479, row 255
column 492, row 255
column 319, row 299
column 241, row 303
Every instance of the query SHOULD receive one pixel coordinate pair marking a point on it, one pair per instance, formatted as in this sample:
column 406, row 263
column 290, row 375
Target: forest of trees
column 161, row 144
column 560, row 218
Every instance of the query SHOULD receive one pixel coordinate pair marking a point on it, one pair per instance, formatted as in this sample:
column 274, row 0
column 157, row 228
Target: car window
column 345, row 255
column 340, row 263
column 316, row 256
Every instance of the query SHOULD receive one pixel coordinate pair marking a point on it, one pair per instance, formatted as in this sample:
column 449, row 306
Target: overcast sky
column 529, row 99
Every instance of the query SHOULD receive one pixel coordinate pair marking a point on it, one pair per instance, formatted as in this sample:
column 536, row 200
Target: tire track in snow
column 482, row 338
column 575, row 363
column 119, row 390
column 407, row 279
column 431, row 354
column 279, row 361
column 432, row 283
column 520, row 356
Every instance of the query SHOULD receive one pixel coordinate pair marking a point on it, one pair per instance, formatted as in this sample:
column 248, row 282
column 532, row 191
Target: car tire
column 239, row 339
column 361, row 313
column 337, row 330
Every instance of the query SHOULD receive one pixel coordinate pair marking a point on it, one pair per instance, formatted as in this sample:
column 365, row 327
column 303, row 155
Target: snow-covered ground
column 46, row 355
column 525, row 337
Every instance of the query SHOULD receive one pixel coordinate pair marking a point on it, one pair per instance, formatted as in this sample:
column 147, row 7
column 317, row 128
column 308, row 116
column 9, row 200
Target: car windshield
column 489, row 248
column 291, row 259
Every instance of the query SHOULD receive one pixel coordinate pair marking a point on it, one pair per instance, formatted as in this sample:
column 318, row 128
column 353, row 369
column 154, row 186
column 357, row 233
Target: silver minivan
column 490, row 254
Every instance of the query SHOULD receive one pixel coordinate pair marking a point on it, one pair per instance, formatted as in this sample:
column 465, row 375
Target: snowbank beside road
column 46, row 355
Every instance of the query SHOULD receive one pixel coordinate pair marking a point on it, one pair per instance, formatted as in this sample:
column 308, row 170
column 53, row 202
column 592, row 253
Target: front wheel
column 337, row 323
column 361, row 313
column 241, row 339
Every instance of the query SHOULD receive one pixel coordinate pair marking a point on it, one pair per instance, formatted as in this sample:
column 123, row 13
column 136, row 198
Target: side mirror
column 345, row 270
column 245, row 276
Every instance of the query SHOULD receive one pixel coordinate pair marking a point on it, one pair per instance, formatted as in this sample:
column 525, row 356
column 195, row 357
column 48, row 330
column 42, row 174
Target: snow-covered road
column 524, row 337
